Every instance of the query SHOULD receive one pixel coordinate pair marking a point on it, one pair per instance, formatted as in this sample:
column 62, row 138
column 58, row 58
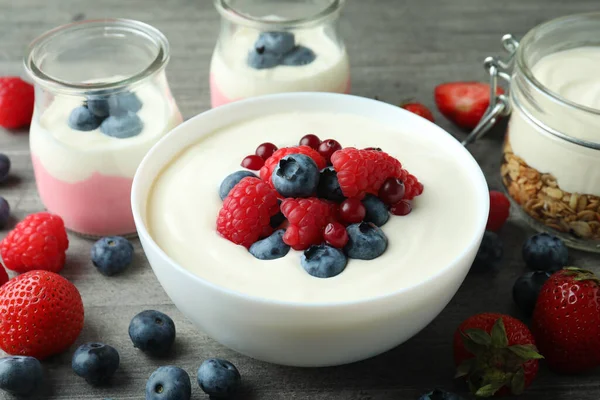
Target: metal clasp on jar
column 499, row 104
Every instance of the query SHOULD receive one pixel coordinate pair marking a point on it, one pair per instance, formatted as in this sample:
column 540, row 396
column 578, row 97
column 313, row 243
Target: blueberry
column 218, row 378
column 271, row 247
column 527, row 288
column 296, row 175
column 277, row 219
column 366, row 241
column 4, row 166
column 4, row 212
column 278, row 43
column 231, row 180
column 152, row 332
column 122, row 126
column 438, row 394
column 169, row 383
column 20, row 375
column 544, row 252
column 323, row 261
column 124, row 103
column 329, row 187
column 82, row 119
column 98, row 105
column 264, row 60
column 299, row 56
column 489, row 254
column 112, row 254
column 377, row 211
column 96, row 362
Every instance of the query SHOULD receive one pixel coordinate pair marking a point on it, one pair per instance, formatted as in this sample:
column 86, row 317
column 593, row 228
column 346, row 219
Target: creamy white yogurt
column 184, row 203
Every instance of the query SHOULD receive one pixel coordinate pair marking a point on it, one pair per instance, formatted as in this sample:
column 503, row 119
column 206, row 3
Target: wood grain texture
column 399, row 49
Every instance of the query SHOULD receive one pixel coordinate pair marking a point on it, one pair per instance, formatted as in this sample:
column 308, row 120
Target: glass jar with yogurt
column 551, row 154
column 267, row 47
column 101, row 102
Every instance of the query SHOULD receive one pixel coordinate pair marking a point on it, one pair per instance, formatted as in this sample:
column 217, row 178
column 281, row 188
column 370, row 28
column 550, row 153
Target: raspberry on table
column 39, row 242
column 270, row 163
column 307, row 219
column 247, row 211
column 16, row 102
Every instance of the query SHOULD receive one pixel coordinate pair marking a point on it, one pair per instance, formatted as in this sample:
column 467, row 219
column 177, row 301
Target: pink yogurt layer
column 217, row 98
column 97, row 206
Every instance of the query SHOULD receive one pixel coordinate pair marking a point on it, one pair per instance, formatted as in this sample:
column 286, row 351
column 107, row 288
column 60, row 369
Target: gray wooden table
column 399, row 49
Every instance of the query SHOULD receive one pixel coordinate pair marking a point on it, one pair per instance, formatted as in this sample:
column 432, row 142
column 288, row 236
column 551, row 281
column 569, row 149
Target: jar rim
column 118, row 24
column 234, row 15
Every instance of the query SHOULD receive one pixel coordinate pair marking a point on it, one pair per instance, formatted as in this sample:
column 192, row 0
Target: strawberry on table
column 16, row 102
column 419, row 109
column 566, row 321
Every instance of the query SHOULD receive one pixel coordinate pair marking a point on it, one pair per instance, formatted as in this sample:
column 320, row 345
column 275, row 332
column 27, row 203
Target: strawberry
column 496, row 354
column 499, row 211
column 16, row 102
column 566, row 321
column 463, row 103
column 419, row 109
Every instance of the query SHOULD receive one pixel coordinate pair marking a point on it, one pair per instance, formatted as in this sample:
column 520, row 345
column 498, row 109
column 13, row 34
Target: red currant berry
column 310, row 141
column 328, row 147
column 266, row 150
column 253, row 162
column 335, row 234
column 401, row 208
column 352, row 211
column 392, row 191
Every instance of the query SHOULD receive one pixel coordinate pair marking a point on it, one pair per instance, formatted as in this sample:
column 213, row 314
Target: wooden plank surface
column 399, row 49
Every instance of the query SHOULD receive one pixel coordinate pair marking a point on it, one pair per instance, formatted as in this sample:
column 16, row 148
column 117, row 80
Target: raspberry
column 307, row 218
column 41, row 314
column 38, row 242
column 247, row 211
column 412, row 187
column 271, row 162
column 499, row 211
column 16, row 102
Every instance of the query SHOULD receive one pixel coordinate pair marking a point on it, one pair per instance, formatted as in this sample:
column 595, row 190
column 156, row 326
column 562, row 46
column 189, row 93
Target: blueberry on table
column 527, row 288
column 152, row 332
column 169, row 383
column 258, row 59
column 4, row 212
column 366, row 241
column 96, row 362
column 124, row 103
column 329, row 186
column 20, row 375
column 278, row 43
column 296, row 175
column 270, row 248
column 438, row 394
column 489, row 254
column 4, row 166
column 82, row 119
column 122, row 126
column 218, row 378
column 323, row 261
column 376, row 210
column 112, row 254
column 231, row 180
column 98, row 105
column 544, row 252
column 299, row 56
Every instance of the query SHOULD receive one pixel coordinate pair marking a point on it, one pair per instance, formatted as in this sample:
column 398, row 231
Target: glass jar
column 101, row 102
column 267, row 47
column 551, row 154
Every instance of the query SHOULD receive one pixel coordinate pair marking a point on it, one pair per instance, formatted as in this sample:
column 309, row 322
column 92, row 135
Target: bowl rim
column 479, row 182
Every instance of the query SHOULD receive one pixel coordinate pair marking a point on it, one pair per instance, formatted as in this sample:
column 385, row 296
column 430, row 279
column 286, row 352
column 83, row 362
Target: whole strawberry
column 38, row 242
column 41, row 314
column 419, row 109
column 566, row 321
column 496, row 354
column 16, row 102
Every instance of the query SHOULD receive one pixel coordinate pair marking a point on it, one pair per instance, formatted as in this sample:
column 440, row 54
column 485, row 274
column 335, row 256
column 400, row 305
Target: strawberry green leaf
column 479, row 336
column 489, row 389
column 526, row 352
column 498, row 334
column 466, row 367
column 517, row 383
column 472, row 347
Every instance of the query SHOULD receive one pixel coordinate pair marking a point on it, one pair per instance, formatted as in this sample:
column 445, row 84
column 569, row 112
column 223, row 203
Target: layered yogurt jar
column 294, row 47
column 96, row 115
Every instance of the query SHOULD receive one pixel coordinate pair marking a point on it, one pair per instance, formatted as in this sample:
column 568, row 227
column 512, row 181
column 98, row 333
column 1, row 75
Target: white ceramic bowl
column 294, row 333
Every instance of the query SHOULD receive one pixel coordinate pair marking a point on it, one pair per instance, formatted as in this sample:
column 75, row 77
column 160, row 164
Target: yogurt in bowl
column 274, row 310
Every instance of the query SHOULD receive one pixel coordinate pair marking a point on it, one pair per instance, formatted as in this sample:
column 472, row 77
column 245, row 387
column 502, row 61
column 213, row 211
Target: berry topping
column 376, row 210
column 218, row 378
column 412, row 187
column 277, row 219
column 545, row 252
column 323, row 261
column 310, row 140
column 352, row 211
column 152, row 332
column 16, row 102
column 527, row 288
column 95, row 362
column 253, row 162
column 260, row 59
column 122, row 126
column 365, row 241
column 299, row 56
column 124, row 103
column 270, row 248
column 296, row 175
column 82, row 119
column 402, row 208
column 231, row 180
column 4, row 214
column 307, row 219
column 38, row 242
column 419, row 109
column 373, row 148
column 328, row 147
column 169, row 383
column 392, row 191
column 112, row 254
column 48, row 319
column 439, row 394
column 267, row 170
column 329, row 187
column 335, row 234
column 20, row 376
column 265, row 150
column 278, row 43
column 489, row 254
column 499, row 211
column 246, row 211
column 98, row 106
column 4, row 167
